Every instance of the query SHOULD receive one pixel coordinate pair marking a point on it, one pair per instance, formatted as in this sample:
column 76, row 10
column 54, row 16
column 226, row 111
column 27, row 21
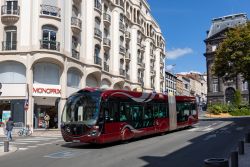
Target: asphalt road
column 184, row 148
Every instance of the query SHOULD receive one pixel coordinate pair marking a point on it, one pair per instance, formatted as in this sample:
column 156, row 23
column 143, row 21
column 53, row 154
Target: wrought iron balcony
column 127, row 76
column 50, row 10
column 50, row 45
column 106, row 67
column 107, row 18
column 9, row 45
column 121, row 26
column 128, row 56
column 75, row 54
column 98, row 33
column 98, row 5
column 10, row 16
column 76, row 24
column 127, row 34
column 122, row 49
column 106, row 42
column 122, row 72
column 98, row 60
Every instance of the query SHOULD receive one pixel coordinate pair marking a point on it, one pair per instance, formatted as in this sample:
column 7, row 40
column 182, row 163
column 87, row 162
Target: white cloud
column 179, row 52
column 185, row 73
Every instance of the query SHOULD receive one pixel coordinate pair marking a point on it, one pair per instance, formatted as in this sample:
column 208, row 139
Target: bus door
column 161, row 120
column 148, row 119
column 111, row 128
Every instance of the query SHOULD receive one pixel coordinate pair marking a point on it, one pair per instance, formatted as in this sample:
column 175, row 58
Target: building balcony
column 75, row 54
column 97, row 60
column 106, row 43
column 107, row 19
column 142, row 48
column 127, row 35
column 9, row 45
column 10, row 16
column 98, row 33
column 76, row 25
column 139, row 41
column 51, row 11
column 127, row 57
column 127, row 76
column 122, row 50
column 161, row 63
column 98, row 6
column 121, row 26
column 77, row 1
column 122, row 72
column 140, row 79
column 152, row 58
column 106, row 67
column 50, row 45
column 162, row 76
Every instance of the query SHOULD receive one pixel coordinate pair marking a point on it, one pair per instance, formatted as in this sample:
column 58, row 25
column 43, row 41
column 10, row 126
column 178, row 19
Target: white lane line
column 192, row 130
column 210, row 137
column 22, row 149
column 17, row 143
column 32, row 146
column 207, row 129
column 239, row 128
column 27, row 141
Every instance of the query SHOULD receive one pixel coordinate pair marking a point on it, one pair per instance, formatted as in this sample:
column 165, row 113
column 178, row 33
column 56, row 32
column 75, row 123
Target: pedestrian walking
column 9, row 128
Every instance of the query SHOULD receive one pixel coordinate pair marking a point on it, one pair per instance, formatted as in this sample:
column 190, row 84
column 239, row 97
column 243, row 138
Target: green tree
column 237, row 98
column 233, row 55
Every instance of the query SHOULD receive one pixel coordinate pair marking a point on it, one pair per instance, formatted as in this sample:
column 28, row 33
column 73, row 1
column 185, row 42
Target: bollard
column 234, row 159
column 241, row 147
column 6, row 146
column 216, row 162
column 247, row 137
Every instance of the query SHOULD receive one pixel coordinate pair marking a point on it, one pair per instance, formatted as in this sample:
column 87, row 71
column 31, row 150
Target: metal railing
column 76, row 22
column 50, row 45
column 97, row 60
column 98, row 5
column 106, row 42
column 127, row 34
column 50, row 10
column 9, row 45
column 14, row 10
column 98, row 33
column 75, row 54
column 106, row 67
column 121, row 26
column 122, row 49
column 106, row 17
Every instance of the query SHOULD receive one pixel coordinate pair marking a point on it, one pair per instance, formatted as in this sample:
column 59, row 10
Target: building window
column 214, row 48
column 12, row 7
column 244, row 86
column 215, row 85
column 10, row 42
column 49, row 38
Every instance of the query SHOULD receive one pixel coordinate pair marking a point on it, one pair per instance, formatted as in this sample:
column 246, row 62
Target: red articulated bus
column 102, row 116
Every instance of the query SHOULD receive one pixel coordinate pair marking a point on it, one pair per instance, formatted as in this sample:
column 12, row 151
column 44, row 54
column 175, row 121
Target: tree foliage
column 233, row 54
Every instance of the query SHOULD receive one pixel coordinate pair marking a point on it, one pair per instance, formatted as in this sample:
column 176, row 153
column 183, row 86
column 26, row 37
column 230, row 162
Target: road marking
column 209, row 137
column 63, row 154
column 22, row 149
column 193, row 129
column 239, row 128
column 32, row 146
column 207, row 129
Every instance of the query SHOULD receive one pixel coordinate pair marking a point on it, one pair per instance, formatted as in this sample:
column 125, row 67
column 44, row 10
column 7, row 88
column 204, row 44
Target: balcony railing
column 128, row 56
column 106, row 17
column 122, row 72
column 139, row 41
column 9, row 45
column 106, row 67
column 106, row 42
column 98, row 60
column 98, row 33
column 75, row 54
column 127, row 76
column 50, row 10
column 98, row 5
column 127, row 34
column 76, row 22
column 6, row 10
column 50, row 45
column 122, row 49
column 121, row 26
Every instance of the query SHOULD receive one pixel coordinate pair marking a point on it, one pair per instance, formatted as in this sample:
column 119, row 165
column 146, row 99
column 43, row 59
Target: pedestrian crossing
column 33, row 142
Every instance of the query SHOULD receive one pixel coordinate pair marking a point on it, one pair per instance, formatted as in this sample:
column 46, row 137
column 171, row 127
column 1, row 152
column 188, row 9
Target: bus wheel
column 127, row 134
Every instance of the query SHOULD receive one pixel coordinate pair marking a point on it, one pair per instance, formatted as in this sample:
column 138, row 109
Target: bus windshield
column 81, row 108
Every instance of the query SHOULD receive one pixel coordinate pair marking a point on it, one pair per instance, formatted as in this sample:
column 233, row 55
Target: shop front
column 45, row 109
column 12, row 98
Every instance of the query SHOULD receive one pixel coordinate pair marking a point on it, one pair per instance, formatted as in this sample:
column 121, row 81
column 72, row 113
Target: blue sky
column 184, row 24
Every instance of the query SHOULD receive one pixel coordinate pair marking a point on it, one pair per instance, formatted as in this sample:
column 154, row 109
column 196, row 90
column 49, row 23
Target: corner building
column 52, row 48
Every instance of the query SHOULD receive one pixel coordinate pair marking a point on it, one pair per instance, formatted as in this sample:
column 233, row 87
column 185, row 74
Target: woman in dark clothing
column 9, row 128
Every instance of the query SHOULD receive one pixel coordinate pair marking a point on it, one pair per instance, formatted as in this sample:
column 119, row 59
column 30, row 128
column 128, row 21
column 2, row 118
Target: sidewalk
column 11, row 150
column 244, row 160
